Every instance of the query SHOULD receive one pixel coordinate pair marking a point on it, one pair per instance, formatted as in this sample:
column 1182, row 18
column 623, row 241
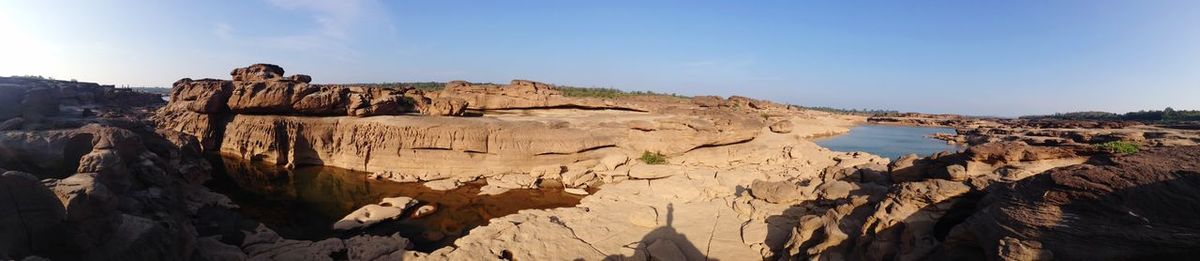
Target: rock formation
column 1141, row 206
column 388, row 208
column 665, row 177
column 33, row 103
column 265, row 116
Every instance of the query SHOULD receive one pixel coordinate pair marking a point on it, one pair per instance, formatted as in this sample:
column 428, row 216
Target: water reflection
column 304, row 203
column 890, row 141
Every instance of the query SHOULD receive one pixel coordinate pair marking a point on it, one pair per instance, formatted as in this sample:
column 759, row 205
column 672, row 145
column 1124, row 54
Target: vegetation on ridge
column 1165, row 115
column 653, row 158
column 601, row 92
column 1118, row 147
column 864, row 112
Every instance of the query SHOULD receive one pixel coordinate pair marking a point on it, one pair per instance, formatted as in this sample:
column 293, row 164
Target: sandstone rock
column 663, row 249
column 423, row 211
column 513, row 181
column 90, row 205
column 576, row 191
column 492, row 190
column 783, row 126
column 643, row 171
column 905, row 169
column 1133, row 207
column 957, row 172
column 779, row 191
column 387, row 209
column 446, row 107
column 138, row 238
column 300, row 78
column 31, row 218
column 902, row 226
column 707, row 101
column 443, row 184
column 264, row 244
column 370, row 247
column 202, row 96
column 257, row 72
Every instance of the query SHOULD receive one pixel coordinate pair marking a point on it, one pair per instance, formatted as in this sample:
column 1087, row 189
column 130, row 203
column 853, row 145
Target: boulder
column 782, row 127
column 202, row 96
column 31, row 217
column 446, row 107
column 257, row 72
column 907, row 168
column 387, row 209
column 957, row 172
column 779, row 192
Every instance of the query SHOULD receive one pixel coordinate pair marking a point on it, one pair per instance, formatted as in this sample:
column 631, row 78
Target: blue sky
column 1001, row 58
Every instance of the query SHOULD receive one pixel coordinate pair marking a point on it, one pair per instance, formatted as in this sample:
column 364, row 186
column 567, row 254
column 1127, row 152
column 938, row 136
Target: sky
column 997, row 58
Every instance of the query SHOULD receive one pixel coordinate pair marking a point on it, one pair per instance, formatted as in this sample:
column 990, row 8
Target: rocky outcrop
column 388, row 208
column 116, row 193
column 990, row 161
column 34, row 103
column 265, row 119
column 1053, row 132
column 31, row 216
column 1141, row 206
column 524, row 94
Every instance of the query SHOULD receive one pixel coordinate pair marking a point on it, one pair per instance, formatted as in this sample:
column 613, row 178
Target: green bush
column 653, row 158
column 1119, row 147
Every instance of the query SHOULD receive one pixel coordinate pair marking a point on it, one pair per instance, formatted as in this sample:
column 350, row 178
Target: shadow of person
column 665, row 243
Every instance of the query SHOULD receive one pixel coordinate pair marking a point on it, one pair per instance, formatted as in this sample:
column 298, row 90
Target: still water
column 305, row 202
column 890, row 141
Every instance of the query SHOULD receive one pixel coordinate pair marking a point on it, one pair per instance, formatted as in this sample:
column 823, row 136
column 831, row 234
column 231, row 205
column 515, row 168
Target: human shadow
column 664, row 243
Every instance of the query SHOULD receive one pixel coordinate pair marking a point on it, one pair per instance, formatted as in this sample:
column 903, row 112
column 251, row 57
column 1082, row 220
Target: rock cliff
column 262, row 115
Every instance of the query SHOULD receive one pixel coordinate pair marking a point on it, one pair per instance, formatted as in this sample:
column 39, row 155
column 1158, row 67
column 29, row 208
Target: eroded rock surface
column 1141, row 206
column 262, row 115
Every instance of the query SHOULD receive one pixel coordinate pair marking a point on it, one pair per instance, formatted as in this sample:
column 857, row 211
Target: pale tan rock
column 492, row 190
column 424, row 210
column 575, row 191
column 443, row 184
column 387, row 209
column 643, row 171
column 781, row 127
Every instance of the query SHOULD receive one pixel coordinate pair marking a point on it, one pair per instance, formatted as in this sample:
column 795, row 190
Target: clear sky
column 1002, row 58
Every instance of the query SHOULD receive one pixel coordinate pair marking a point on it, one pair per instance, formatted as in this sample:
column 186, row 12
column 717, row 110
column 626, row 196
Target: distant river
column 890, row 141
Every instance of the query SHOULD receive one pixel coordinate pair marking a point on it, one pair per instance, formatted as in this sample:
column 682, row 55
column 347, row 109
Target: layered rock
column 34, row 103
column 117, row 194
column 1120, row 207
column 524, row 94
column 266, row 118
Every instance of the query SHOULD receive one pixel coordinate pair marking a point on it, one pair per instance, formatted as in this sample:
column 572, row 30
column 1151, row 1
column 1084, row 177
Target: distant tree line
column 864, row 112
column 423, row 86
column 37, row 77
column 569, row 91
column 604, row 92
column 1165, row 115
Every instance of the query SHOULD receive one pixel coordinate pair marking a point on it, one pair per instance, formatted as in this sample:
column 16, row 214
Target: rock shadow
column 1141, row 207
column 664, row 243
column 839, row 230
